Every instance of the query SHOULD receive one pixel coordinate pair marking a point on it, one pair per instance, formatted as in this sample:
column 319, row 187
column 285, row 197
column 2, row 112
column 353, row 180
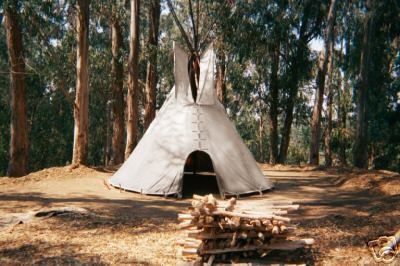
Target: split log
column 221, row 227
column 210, row 260
column 242, row 235
column 250, row 216
column 189, row 251
column 283, row 245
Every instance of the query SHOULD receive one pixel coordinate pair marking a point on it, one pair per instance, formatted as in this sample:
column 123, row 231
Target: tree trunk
column 361, row 139
column 81, row 105
column 117, row 147
column 273, row 112
column 261, row 139
column 342, row 120
column 221, row 85
column 18, row 163
column 319, row 96
column 132, row 97
column 344, row 94
column 294, row 83
column 328, row 132
column 151, row 79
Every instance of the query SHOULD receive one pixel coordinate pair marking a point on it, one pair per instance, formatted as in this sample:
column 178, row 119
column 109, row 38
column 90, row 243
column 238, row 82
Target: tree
column 18, row 162
column 361, row 139
column 151, row 78
column 274, row 88
column 319, row 96
column 133, row 82
column 344, row 93
column 81, row 105
column 298, row 69
column 117, row 69
column 221, row 75
column 329, row 103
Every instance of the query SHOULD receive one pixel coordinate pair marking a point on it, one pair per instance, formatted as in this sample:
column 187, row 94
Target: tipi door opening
column 199, row 175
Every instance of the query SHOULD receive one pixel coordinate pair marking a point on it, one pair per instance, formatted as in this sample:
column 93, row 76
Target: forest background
column 102, row 69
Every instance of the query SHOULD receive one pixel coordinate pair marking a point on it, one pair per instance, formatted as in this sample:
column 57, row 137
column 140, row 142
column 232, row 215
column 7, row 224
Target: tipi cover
column 182, row 126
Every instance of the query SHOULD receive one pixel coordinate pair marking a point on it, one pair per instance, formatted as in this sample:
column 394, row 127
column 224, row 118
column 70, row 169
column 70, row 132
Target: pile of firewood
column 222, row 229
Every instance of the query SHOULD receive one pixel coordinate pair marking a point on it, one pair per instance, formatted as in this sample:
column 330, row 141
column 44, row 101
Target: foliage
column 246, row 32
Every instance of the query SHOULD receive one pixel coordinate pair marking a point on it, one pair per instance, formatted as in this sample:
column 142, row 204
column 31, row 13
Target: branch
column 171, row 8
column 203, row 43
column 197, row 18
column 194, row 26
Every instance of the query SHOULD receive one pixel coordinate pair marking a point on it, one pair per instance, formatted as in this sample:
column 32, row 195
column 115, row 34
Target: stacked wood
column 222, row 228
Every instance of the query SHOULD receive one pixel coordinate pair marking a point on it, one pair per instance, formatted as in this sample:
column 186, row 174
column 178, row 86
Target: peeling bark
column 81, row 105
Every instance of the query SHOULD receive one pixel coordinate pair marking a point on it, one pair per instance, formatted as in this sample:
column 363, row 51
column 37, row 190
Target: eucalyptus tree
column 117, row 82
column 322, row 71
column 4, row 104
column 361, row 144
column 376, row 87
column 151, row 79
column 132, row 108
column 81, row 105
column 307, row 25
column 18, row 162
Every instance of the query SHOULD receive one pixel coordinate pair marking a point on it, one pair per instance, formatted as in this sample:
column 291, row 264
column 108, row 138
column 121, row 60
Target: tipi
column 184, row 126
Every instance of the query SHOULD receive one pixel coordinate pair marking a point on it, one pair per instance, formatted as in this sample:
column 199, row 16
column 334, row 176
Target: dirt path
column 342, row 210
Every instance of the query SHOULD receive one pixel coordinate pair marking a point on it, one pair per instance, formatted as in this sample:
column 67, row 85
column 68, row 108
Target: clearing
column 341, row 209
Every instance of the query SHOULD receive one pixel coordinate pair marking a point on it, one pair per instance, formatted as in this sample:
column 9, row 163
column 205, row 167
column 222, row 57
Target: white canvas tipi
column 183, row 126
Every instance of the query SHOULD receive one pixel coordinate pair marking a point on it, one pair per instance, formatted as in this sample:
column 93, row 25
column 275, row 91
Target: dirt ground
column 341, row 209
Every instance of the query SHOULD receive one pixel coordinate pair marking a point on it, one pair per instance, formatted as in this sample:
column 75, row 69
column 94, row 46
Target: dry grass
column 341, row 209
column 90, row 240
column 65, row 172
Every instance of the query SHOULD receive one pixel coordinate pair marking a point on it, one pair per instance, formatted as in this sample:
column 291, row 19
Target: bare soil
column 342, row 209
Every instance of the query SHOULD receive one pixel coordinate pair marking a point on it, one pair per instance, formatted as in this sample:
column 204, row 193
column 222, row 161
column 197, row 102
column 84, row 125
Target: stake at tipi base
column 216, row 230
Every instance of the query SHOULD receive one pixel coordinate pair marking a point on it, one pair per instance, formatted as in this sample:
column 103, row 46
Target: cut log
column 222, row 227
column 189, row 251
column 184, row 216
column 210, row 260
column 283, row 245
column 229, row 235
column 250, row 216
column 275, row 230
column 290, row 229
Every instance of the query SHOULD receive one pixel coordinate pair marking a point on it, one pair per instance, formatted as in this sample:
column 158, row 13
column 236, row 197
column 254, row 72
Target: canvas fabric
column 181, row 127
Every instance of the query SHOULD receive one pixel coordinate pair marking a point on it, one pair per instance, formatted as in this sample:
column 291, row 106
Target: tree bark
column 319, row 96
column 328, row 131
column 151, row 78
column 273, row 112
column 342, row 120
column 294, row 82
column 18, row 163
column 344, row 94
column 221, row 85
column 361, row 139
column 81, row 105
column 117, row 146
column 261, row 140
column 133, row 82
